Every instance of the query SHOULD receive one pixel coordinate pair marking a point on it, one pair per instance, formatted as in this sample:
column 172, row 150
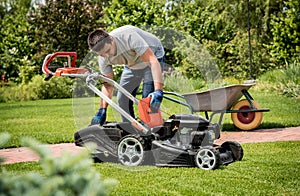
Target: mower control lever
column 48, row 77
column 69, row 69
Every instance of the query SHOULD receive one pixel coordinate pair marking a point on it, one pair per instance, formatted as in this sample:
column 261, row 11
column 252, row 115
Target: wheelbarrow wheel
column 246, row 120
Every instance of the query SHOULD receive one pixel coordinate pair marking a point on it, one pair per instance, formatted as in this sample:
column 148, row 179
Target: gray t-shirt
column 131, row 43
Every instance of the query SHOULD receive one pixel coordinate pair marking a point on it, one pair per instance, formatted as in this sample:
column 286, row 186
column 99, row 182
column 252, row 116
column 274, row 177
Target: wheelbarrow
column 246, row 113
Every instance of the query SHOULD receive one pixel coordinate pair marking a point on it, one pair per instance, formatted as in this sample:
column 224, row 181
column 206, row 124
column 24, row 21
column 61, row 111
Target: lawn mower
column 182, row 140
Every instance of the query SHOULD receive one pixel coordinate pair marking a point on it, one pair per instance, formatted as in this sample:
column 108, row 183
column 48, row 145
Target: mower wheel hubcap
column 130, row 151
column 207, row 158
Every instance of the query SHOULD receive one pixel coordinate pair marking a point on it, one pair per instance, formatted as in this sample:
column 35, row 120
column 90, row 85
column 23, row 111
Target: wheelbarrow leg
column 249, row 98
column 206, row 115
column 220, row 118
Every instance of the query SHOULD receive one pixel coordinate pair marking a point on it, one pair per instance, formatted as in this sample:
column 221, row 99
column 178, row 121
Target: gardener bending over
column 143, row 56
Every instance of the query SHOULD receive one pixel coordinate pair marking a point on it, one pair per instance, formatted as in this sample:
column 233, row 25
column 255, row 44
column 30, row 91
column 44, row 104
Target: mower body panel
column 174, row 144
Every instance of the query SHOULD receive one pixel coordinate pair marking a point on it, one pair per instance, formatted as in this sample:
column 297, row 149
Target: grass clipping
column 67, row 175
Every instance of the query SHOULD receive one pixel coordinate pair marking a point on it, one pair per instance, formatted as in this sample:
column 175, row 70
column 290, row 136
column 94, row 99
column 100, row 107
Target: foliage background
column 30, row 31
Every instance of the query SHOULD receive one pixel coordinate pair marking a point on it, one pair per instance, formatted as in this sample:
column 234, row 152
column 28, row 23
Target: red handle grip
column 49, row 59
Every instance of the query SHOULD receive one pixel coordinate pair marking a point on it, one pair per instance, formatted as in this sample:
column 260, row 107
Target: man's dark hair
column 97, row 39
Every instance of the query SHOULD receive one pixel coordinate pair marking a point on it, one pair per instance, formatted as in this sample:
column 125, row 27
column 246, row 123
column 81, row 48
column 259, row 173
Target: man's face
column 108, row 50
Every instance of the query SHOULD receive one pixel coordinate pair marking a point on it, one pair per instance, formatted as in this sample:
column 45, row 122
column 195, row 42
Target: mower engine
column 192, row 144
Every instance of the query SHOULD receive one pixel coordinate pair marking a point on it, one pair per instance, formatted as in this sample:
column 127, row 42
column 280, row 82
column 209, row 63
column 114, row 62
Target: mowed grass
column 266, row 169
column 263, row 171
column 56, row 120
column 49, row 121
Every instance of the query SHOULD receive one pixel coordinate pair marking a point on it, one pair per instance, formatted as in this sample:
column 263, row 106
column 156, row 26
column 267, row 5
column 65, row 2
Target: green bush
column 177, row 82
column 37, row 88
column 290, row 84
column 68, row 175
column 16, row 46
column 26, row 73
column 290, row 89
column 57, row 87
column 285, row 80
column 285, row 44
column 134, row 12
column 233, row 57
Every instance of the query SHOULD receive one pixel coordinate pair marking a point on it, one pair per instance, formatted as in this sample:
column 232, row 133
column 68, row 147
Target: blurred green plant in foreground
column 67, row 175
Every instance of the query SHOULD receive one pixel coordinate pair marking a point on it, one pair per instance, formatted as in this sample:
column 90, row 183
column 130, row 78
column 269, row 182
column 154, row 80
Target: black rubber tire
column 235, row 148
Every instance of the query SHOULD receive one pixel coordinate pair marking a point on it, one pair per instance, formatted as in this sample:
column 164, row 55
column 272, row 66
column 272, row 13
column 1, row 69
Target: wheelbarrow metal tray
column 216, row 99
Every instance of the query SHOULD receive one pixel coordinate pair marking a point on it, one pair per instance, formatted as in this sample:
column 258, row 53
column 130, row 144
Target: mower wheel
column 235, row 148
column 246, row 120
column 207, row 158
column 131, row 150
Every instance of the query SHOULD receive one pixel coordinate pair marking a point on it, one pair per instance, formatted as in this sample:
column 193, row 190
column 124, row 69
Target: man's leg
column 130, row 80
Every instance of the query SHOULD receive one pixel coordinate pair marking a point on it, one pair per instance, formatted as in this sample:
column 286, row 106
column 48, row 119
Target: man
column 142, row 54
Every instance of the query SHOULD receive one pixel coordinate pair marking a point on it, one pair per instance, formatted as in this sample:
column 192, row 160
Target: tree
column 13, row 7
column 64, row 26
column 16, row 46
column 222, row 27
column 134, row 12
column 285, row 45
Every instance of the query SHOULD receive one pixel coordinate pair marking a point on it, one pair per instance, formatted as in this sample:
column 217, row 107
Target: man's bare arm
column 107, row 89
column 149, row 58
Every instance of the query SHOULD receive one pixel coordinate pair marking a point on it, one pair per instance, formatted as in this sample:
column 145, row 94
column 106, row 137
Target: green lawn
column 55, row 121
column 266, row 169
column 49, row 121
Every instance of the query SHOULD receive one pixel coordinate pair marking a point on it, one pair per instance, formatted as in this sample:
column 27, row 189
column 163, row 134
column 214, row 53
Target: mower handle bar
column 94, row 76
column 91, row 80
